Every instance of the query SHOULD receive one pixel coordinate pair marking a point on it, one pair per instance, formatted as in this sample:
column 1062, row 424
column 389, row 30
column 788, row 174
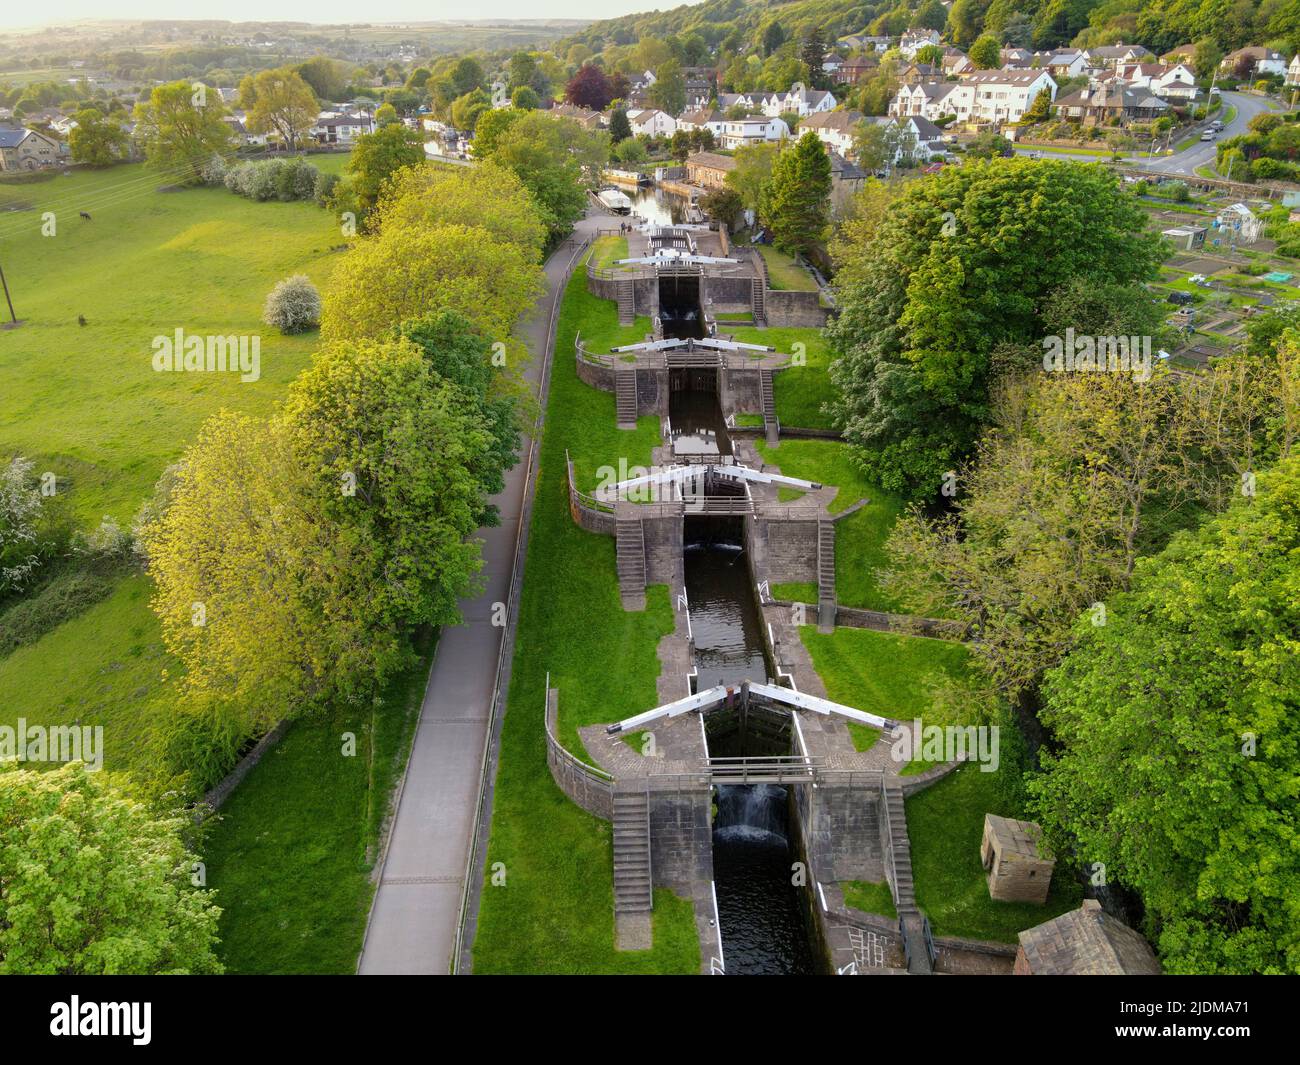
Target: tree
column 378, row 156
column 752, row 174
column 403, row 273
column 1206, row 57
column 589, row 87
column 468, row 109
column 95, row 884
column 619, row 127
column 467, row 75
column 491, row 125
column 327, row 77
column 557, row 160
column 668, row 93
column 182, row 128
column 386, row 115
column 917, row 330
column 773, row 37
column 988, row 145
column 524, row 98
column 96, row 140
column 283, row 104
column 679, row 146
column 1198, row 661
column 798, row 199
column 723, row 204
column 931, row 54
column 1041, row 109
column 986, row 53
column 875, row 145
column 931, row 15
column 812, row 53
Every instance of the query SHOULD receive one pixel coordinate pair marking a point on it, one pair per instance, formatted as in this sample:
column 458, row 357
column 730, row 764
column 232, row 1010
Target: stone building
column 1085, row 942
column 1019, row 870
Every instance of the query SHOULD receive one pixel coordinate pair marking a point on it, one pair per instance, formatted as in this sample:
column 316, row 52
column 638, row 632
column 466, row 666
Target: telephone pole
column 8, row 299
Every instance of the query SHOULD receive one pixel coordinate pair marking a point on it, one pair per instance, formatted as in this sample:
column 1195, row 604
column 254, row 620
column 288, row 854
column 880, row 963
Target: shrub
column 293, row 305
column 323, row 188
column 108, row 541
column 295, row 180
column 1176, row 191
column 213, row 172
column 266, row 179
column 57, row 601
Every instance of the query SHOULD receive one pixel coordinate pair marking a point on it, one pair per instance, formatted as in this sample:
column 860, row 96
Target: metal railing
column 583, row 499
column 763, row 770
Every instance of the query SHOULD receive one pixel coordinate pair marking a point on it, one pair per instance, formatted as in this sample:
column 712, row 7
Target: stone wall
column 740, row 392
column 587, row 787
column 663, row 548
column 221, row 792
column 843, row 829
column 681, row 834
column 788, row 551
column 791, row 308
column 601, row 377
column 652, row 392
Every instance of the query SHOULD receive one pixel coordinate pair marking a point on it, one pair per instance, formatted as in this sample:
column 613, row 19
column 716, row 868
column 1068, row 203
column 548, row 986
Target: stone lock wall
column 790, row 308
column 790, row 549
column 842, row 829
column 663, row 548
column 681, row 835
column 740, row 392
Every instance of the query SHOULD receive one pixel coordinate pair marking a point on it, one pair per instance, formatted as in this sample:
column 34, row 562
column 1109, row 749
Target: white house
column 341, row 128
column 1293, row 71
column 798, row 100
column 985, row 96
column 835, row 129
column 1264, row 61
column 748, row 100
column 737, row 133
column 652, row 123
column 1172, row 83
column 1112, row 57
column 916, row 39
column 709, row 118
column 1067, row 63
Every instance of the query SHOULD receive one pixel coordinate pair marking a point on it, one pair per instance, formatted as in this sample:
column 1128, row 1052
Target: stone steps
column 632, row 884
column 630, row 561
column 825, row 576
column 900, row 853
column 625, row 398
column 767, row 400
column 626, row 301
column 759, row 300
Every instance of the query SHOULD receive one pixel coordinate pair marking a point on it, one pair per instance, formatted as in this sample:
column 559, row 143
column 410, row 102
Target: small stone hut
column 1019, row 869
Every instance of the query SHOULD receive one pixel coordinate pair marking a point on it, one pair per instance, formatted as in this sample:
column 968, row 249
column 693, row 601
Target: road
column 1184, row 163
column 412, row 926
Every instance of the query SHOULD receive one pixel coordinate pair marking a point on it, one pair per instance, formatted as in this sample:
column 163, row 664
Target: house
column 1254, row 61
column 799, row 101
column 238, row 123
column 831, row 62
column 736, row 133
column 855, row 69
column 1098, row 103
column 26, row 149
column 1067, row 63
column 341, row 127
column 652, row 123
column 921, row 137
column 584, row 116
column 1114, row 56
column 1184, row 53
column 1185, row 238
column 1293, row 71
column 914, row 40
column 1084, row 942
column 1017, row 58
column 835, row 129
column 709, row 118
column 846, row 180
column 745, row 100
column 1175, row 83
column 992, row 96
column 921, row 72
column 708, row 170
column 955, row 63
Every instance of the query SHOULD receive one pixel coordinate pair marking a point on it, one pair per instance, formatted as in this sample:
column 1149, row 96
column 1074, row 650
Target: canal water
column 657, row 206
column 760, row 908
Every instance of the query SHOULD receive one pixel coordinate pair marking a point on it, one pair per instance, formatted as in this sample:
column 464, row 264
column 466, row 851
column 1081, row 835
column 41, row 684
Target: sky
column 21, row 14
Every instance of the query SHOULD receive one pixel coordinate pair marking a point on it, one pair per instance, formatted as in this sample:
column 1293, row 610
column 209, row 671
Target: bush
column 58, row 600
column 213, row 172
column 1176, row 191
column 1272, row 169
column 295, row 180
column 108, row 541
column 323, row 189
column 266, row 179
column 293, row 305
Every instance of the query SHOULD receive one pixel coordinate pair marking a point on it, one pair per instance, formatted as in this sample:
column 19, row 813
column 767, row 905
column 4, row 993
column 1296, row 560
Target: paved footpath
column 412, row 926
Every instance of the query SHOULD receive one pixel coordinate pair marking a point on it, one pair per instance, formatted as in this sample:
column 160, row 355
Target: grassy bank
column 945, row 823
column 800, row 391
column 291, row 853
column 555, row 913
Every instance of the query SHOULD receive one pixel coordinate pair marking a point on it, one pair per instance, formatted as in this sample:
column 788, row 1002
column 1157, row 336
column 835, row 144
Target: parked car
column 1209, row 135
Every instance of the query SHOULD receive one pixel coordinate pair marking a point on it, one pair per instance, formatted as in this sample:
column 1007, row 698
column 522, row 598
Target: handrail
column 583, row 499
column 553, row 741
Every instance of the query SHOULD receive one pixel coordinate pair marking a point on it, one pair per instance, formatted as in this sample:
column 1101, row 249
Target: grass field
column 85, row 401
column 859, row 538
column 555, row 913
column 800, row 391
column 784, row 273
column 945, row 823
column 291, row 853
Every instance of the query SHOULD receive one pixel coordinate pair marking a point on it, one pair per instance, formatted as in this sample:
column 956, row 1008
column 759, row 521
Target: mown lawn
column 870, row 897
column 291, row 853
column 945, row 823
column 555, row 913
column 85, row 401
column 860, row 538
column 784, row 273
column 606, row 250
column 885, row 673
column 801, row 390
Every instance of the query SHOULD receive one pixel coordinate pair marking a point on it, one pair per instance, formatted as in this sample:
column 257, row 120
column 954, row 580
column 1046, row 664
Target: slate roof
column 1087, row 942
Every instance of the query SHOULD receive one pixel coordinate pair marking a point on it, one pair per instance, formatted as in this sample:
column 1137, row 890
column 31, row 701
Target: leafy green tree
column 524, row 98
column 986, row 53
column 619, row 126
column 668, row 93
column 812, row 53
column 93, row 883
column 96, row 140
column 467, row 75
column 1178, row 722
column 953, row 272
column 798, row 199
column 723, row 204
column 491, row 125
column 1041, row 109
column 468, row 109
column 378, row 156
column 282, row 104
column 773, row 37
column 327, row 77
column 182, row 128
column 931, row 15
column 385, row 115
column 752, row 174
